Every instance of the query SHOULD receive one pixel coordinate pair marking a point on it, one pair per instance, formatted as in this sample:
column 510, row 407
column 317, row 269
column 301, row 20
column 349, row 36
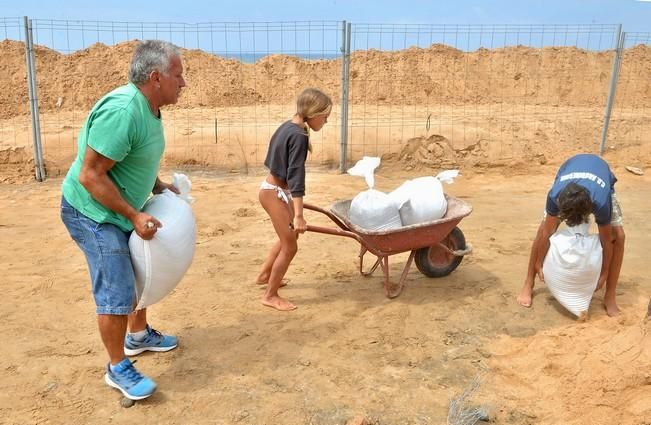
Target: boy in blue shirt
column 583, row 185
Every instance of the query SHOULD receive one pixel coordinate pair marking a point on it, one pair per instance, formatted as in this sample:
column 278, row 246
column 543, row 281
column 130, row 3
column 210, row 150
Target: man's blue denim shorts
column 106, row 248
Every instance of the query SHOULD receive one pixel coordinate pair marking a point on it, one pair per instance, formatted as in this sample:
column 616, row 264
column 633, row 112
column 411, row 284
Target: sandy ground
column 509, row 115
column 348, row 351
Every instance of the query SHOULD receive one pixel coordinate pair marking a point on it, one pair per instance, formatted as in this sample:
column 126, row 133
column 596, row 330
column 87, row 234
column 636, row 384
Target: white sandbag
column 160, row 263
column 365, row 167
column 447, row 176
column 572, row 267
column 374, row 210
column 420, row 200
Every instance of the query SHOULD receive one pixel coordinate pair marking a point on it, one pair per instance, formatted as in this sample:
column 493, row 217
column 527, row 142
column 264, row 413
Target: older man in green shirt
column 121, row 144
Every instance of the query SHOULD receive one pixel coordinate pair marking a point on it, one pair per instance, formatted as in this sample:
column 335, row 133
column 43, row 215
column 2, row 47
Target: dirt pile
column 16, row 165
column 581, row 371
column 435, row 75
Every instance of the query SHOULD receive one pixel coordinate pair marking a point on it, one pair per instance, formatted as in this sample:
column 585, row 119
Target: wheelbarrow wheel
column 434, row 261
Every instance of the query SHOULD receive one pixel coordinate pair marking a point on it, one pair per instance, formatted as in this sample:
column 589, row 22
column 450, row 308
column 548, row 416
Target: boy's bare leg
column 610, row 301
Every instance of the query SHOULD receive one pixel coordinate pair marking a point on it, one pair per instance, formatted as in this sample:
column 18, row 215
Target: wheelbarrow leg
column 362, row 252
column 393, row 290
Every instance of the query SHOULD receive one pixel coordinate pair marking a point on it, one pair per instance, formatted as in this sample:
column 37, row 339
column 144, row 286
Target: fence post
column 39, row 170
column 613, row 87
column 345, row 74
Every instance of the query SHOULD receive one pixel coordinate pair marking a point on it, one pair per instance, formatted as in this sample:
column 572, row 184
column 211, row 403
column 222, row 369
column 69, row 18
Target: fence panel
column 629, row 134
column 242, row 81
column 428, row 95
column 15, row 131
column 455, row 95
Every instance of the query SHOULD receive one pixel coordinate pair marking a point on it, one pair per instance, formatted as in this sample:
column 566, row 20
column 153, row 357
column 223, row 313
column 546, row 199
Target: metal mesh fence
column 430, row 95
column 629, row 133
column 444, row 95
column 242, row 81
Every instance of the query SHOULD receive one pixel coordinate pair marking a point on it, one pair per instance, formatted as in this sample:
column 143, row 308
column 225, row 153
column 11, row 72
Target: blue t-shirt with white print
column 591, row 172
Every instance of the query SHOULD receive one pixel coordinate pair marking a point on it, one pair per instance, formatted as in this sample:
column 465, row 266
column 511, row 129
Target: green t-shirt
column 121, row 127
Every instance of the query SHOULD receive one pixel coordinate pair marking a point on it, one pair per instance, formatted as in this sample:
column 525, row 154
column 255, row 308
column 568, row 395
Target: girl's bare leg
column 265, row 270
column 281, row 216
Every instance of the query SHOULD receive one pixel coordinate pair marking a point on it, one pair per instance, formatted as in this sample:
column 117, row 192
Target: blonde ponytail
column 310, row 103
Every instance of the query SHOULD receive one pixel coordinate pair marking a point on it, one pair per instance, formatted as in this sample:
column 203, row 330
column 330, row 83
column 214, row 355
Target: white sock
column 113, row 366
column 139, row 336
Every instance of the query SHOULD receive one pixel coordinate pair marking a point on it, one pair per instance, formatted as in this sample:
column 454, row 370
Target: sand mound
column 16, row 165
column 578, row 374
column 435, row 75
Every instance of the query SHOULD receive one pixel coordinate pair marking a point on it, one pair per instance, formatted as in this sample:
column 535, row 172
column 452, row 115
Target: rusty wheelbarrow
column 437, row 246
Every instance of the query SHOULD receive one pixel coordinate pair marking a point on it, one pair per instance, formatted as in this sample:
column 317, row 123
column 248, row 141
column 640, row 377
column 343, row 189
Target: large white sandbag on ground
column 372, row 210
column 572, row 267
column 160, row 263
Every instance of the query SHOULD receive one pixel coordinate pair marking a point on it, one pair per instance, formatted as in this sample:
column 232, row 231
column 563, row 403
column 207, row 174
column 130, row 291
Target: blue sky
column 481, row 23
column 634, row 15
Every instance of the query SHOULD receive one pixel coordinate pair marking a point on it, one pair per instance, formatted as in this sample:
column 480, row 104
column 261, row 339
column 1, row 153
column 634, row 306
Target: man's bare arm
column 94, row 177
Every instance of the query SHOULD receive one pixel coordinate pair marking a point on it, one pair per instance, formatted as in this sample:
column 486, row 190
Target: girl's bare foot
column 284, row 281
column 278, row 303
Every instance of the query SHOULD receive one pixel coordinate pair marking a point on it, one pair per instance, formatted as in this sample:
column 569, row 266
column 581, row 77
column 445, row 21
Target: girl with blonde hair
column 281, row 193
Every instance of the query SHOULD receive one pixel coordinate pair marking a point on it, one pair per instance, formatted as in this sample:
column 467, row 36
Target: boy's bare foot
column 611, row 307
column 278, row 303
column 284, row 281
column 525, row 298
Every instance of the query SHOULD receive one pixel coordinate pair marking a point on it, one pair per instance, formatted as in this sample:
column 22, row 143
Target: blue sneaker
column 154, row 341
column 129, row 381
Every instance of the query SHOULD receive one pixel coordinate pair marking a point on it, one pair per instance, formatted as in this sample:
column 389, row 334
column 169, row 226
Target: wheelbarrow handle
column 336, row 232
column 328, row 214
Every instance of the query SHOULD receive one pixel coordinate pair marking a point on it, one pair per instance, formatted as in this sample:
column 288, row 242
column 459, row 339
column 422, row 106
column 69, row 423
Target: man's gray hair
column 151, row 55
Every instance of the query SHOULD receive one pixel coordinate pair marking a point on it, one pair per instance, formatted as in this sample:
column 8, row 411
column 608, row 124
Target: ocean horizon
column 254, row 57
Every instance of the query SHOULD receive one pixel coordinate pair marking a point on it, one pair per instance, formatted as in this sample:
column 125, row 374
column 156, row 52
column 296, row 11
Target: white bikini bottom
column 283, row 194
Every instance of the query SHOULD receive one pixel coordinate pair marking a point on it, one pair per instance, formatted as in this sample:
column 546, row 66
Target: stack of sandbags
column 416, row 201
column 572, row 267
